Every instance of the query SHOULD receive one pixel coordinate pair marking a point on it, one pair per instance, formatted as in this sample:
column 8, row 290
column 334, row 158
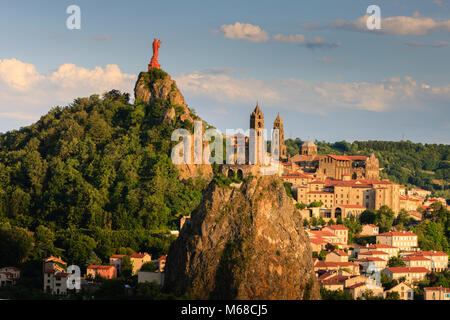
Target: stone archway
column 230, row 173
column 240, row 174
column 337, row 212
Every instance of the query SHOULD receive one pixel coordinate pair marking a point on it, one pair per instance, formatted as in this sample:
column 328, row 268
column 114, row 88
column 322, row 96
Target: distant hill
column 414, row 164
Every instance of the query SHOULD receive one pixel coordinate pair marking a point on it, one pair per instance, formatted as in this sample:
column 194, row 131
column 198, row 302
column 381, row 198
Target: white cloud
column 311, row 43
column 319, row 98
column 399, row 25
column 244, row 31
column 27, row 94
column 292, row 38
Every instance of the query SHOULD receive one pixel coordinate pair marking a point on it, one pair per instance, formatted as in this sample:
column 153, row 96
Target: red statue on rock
column 154, row 62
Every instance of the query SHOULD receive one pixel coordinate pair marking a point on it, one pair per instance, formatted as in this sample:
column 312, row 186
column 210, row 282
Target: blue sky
column 329, row 78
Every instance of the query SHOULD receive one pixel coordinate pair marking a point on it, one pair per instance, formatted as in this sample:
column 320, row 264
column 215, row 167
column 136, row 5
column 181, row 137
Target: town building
column 404, row 291
column 54, row 263
column 436, row 293
column 55, row 282
column 370, row 264
column 106, row 272
column 161, row 263
column 337, row 256
column 338, row 230
column 9, row 276
column 439, row 259
column 359, row 289
column 409, row 274
column 417, row 261
column 321, row 267
column 374, row 254
column 404, row 240
column 369, row 230
column 138, row 259
column 116, row 261
column 345, row 198
column 334, row 167
column 390, row 250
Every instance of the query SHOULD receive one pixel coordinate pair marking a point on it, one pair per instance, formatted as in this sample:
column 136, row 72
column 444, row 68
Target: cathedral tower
column 278, row 124
column 257, row 123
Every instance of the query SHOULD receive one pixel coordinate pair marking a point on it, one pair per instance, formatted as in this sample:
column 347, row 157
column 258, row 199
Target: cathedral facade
column 337, row 167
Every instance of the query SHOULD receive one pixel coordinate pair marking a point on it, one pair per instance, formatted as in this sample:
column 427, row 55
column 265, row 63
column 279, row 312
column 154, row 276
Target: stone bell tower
column 278, row 124
column 257, row 123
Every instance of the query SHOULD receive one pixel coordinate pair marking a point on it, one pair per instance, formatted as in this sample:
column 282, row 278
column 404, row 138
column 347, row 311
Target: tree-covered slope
column 99, row 162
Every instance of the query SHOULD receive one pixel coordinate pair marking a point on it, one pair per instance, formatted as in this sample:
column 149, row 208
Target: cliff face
column 243, row 243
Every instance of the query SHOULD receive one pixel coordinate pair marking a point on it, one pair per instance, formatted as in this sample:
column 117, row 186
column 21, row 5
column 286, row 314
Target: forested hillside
column 414, row 164
column 91, row 178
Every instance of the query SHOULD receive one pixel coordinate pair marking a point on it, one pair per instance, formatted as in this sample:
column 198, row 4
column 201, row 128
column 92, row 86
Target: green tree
column 396, row 262
column 126, row 267
column 394, row 295
column 149, row 266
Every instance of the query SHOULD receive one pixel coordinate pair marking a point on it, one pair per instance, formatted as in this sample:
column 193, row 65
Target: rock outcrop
column 157, row 84
column 243, row 242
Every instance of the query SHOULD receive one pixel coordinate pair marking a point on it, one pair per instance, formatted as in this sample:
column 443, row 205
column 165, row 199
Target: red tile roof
column 370, row 259
column 437, row 289
column 381, row 246
column 162, row 258
column 429, row 253
column 52, row 258
column 117, row 256
column 415, row 258
column 337, row 227
column 100, row 267
column 318, row 240
column 408, row 270
column 138, row 255
column 397, row 233
column 373, row 252
column 326, row 264
column 357, row 285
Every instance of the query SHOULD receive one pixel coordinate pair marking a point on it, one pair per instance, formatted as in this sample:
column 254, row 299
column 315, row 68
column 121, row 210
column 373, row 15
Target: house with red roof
column 324, row 266
column 9, row 276
column 436, row 293
column 439, row 259
column 369, row 264
column 390, row 250
column 374, row 254
column 410, row 275
column 116, row 261
column 338, row 230
column 404, row 240
column 138, row 259
column 417, row 261
column 337, row 256
column 106, row 272
column 55, row 282
column 54, row 263
column 369, row 230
